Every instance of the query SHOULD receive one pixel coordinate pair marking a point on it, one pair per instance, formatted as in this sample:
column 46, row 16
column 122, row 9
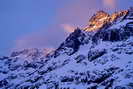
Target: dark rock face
column 71, row 44
column 92, row 55
column 80, row 58
column 3, row 83
column 114, row 34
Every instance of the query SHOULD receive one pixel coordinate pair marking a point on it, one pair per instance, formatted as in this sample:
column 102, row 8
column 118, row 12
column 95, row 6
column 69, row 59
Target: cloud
column 109, row 3
column 68, row 28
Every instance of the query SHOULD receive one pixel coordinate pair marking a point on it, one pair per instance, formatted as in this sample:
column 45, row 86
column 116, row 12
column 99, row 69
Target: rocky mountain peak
column 97, row 21
column 101, row 18
column 102, row 26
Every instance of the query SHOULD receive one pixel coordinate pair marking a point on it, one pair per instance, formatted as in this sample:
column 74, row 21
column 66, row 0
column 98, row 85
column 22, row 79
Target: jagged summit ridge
column 97, row 20
column 101, row 18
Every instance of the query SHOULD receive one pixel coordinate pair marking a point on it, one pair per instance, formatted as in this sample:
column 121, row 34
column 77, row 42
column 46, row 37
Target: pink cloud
column 68, row 28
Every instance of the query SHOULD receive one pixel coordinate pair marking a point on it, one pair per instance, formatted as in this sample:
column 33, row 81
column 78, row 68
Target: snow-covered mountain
column 99, row 56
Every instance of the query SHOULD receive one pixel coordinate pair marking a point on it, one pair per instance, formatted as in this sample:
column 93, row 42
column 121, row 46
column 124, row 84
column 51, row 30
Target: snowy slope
column 96, row 59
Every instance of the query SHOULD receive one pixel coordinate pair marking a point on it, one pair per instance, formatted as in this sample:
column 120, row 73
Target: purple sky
column 46, row 23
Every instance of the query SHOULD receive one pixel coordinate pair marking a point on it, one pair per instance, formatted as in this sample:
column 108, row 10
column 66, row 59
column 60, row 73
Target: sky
column 46, row 23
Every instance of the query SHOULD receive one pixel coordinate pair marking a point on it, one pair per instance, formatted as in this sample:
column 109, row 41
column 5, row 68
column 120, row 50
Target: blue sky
column 45, row 23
